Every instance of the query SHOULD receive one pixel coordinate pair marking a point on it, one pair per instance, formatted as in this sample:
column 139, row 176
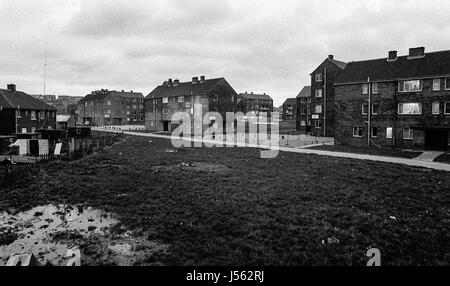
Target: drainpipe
column 369, row 111
column 325, row 104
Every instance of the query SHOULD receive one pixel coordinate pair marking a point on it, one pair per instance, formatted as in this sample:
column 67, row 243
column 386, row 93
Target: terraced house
column 21, row 113
column 396, row 101
column 255, row 103
column 196, row 97
column 111, row 108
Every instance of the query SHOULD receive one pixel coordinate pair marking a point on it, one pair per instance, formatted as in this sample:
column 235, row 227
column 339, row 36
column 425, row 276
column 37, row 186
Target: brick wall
column 348, row 104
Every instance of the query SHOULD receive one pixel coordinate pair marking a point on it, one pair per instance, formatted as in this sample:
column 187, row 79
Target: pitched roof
column 290, row 101
column 432, row 65
column 306, row 92
column 101, row 95
column 340, row 64
column 19, row 99
column 254, row 96
column 186, row 88
column 129, row 94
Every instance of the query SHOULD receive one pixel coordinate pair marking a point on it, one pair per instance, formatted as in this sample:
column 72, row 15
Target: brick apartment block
column 409, row 103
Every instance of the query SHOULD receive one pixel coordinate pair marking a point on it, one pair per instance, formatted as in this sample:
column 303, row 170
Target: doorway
column 436, row 140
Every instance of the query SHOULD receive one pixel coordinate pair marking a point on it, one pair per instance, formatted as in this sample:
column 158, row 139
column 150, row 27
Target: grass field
column 225, row 206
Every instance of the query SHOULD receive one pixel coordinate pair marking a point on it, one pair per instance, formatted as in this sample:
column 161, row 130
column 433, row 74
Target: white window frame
column 447, row 105
column 433, row 105
column 181, row 99
column 319, row 77
column 436, row 84
column 389, row 132
column 362, row 108
column 402, row 85
column 373, row 105
column 403, row 103
column 371, row 132
column 109, row 102
column 303, row 100
column 33, row 115
column 315, row 109
column 411, row 134
column 165, row 111
column 165, row 100
column 377, row 89
column 356, row 134
column 365, row 89
column 319, row 92
column 447, row 83
column 318, row 124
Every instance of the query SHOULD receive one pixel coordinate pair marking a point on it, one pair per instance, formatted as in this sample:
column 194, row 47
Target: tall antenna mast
column 45, row 68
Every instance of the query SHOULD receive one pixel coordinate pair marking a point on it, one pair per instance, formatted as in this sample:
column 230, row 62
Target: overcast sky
column 262, row 46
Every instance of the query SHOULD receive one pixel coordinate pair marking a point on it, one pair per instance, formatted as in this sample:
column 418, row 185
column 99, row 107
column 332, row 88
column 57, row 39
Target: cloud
column 262, row 46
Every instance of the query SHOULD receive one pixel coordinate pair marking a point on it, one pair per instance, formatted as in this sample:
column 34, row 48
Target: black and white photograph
column 203, row 133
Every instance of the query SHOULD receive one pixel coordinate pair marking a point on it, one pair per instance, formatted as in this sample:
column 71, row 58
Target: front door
column 165, row 126
column 436, row 140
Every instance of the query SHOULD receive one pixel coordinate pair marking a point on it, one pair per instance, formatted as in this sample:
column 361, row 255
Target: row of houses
column 198, row 96
column 394, row 101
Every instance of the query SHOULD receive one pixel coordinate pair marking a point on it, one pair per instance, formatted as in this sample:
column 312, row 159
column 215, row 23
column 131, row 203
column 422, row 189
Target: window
column 216, row 97
column 447, row 108
column 303, row 100
column 357, row 132
column 375, row 108
column 410, row 86
column 375, row 89
column 410, row 108
column 134, row 106
column 33, row 115
column 108, row 102
column 318, row 124
column 436, row 107
column 365, row 108
column 165, row 111
column 302, row 123
column 447, row 83
column 18, row 114
column 318, row 109
column 318, row 77
column 436, row 84
column 33, row 130
column 165, row 100
column 128, row 113
column 389, row 133
column 319, row 93
column 78, row 131
column 365, row 88
column 214, row 109
column 232, row 98
column 407, row 134
column 303, row 111
column 374, row 132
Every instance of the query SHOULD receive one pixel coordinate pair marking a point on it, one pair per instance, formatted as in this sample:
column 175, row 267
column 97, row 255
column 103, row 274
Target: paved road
column 394, row 160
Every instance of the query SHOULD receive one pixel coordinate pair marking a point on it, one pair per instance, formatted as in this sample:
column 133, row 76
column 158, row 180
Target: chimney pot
column 331, row 57
column 11, row 87
column 392, row 56
column 176, row 82
column 417, row 52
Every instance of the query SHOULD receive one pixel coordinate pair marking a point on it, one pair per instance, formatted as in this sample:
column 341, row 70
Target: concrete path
column 429, row 156
column 394, row 160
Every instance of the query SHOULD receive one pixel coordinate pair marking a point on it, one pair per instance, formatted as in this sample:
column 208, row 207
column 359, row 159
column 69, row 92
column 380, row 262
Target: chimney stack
column 202, row 78
column 169, row 82
column 331, row 57
column 417, row 52
column 392, row 56
column 11, row 87
column 194, row 80
column 176, row 82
